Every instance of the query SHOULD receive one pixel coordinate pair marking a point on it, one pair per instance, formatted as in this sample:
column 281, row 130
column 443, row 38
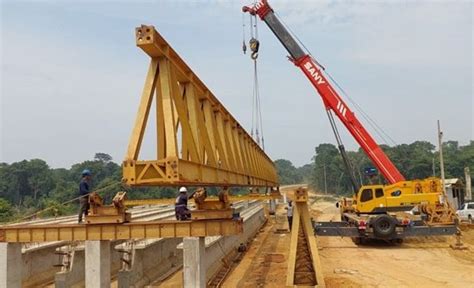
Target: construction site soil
column 418, row 262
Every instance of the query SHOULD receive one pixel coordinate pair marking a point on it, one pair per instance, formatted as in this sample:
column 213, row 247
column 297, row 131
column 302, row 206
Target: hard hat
column 183, row 190
column 86, row 172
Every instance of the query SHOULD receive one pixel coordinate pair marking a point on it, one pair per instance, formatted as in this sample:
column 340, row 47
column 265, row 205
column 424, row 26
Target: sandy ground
column 420, row 262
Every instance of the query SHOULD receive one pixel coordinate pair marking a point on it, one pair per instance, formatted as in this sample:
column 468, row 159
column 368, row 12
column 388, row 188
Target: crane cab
column 401, row 196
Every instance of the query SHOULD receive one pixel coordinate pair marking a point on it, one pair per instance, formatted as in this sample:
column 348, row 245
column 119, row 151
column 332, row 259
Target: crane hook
column 254, row 45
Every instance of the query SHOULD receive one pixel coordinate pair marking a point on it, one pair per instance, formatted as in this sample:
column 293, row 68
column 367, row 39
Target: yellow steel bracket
column 304, row 265
column 198, row 141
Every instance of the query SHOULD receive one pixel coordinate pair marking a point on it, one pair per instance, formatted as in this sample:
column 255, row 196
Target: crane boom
column 331, row 99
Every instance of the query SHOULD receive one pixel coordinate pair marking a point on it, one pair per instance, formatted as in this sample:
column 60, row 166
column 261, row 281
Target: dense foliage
column 416, row 161
column 31, row 185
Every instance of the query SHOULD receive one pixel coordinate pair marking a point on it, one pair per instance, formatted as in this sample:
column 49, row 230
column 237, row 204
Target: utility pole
column 441, row 159
column 325, row 181
column 434, row 167
column 467, row 175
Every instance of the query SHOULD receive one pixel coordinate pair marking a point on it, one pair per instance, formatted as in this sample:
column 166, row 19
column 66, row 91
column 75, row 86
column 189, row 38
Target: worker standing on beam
column 181, row 205
column 84, row 189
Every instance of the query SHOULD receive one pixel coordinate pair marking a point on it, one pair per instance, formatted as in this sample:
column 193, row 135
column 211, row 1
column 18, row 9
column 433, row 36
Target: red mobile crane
column 332, row 100
column 371, row 212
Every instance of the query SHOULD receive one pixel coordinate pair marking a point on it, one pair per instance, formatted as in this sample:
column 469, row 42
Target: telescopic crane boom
column 332, row 100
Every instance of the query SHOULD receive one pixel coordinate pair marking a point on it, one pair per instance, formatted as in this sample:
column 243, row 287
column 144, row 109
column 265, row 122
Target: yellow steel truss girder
column 132, row 230
column 198, row 140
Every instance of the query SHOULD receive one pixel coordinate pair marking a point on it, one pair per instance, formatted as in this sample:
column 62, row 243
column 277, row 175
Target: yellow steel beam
column 198, row 141
column 132, row 230
column 169, row 201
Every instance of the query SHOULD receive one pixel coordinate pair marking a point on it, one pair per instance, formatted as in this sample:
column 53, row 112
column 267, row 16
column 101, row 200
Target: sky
column 71, row 75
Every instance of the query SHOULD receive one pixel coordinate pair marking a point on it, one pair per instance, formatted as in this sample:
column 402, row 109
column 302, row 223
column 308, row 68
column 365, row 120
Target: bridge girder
column 198, row 141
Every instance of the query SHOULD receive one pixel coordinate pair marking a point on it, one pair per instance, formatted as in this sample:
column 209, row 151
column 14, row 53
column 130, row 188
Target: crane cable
column 257, row 111
column 254, row 45
column 257, row 108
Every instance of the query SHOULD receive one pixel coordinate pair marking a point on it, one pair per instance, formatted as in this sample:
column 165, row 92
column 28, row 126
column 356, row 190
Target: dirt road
column 421, row 262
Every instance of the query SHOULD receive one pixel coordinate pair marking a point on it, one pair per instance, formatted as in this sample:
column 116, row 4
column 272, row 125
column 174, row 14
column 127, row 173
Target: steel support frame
column 198, row 141
column 342, row 229
column 125, row 231
column 304, row 265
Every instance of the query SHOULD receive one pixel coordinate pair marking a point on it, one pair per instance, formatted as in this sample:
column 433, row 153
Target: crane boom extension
column 331, row 98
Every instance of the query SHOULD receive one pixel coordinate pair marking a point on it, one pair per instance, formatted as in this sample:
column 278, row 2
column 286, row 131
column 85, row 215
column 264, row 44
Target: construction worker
column 289, row 213
column 84, row 189
column 181, row 205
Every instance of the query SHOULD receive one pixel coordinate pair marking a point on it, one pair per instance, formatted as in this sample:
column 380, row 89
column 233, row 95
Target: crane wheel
column 384, row 226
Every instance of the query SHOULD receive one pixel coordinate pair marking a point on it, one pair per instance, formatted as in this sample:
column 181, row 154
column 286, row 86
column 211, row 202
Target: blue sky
column 71, row 76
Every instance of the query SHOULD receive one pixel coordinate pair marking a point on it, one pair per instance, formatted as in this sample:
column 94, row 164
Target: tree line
column 417, row 160
column 31, row 185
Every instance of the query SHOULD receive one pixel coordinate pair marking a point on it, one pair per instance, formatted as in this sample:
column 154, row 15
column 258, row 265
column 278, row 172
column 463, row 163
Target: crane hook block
column 254, row 45
column 254, row 55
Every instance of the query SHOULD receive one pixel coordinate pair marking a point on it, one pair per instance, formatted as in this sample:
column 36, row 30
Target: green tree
column 102, row 157
column 6, row 210
column 287, row 173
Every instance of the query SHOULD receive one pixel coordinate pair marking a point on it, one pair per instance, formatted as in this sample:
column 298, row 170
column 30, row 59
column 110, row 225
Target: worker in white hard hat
column 181, row 205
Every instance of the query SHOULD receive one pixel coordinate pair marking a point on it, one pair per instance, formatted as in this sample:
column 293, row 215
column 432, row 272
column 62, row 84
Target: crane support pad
column 342, row 229
column 132, row 230
column 198, row 142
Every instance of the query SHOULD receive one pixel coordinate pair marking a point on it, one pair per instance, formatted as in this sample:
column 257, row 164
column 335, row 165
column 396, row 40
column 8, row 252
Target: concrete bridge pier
column 10, row 265
column 272, row 207
column 97, row 264
column 194, row 267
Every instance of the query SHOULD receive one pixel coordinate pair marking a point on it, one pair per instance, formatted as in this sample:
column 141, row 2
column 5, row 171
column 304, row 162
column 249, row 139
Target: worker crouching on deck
column 84, row 190
column 181, row 205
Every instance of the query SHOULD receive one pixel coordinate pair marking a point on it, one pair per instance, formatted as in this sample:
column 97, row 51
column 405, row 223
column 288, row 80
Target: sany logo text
column 314, row 73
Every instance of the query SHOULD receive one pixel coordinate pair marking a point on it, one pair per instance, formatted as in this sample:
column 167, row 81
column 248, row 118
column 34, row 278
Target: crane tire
column 384, row 226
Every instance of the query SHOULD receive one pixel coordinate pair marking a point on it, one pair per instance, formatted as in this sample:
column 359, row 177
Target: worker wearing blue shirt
column 84, row 189
column 181, row 205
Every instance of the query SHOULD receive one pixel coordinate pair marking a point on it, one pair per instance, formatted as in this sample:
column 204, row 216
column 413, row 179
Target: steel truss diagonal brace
column 198, row 142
